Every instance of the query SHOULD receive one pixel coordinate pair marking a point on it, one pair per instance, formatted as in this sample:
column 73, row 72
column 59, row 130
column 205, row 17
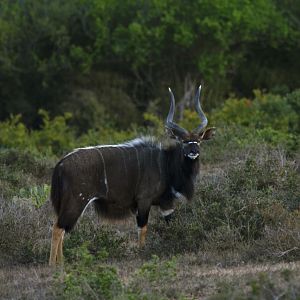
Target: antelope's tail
column 56, row 189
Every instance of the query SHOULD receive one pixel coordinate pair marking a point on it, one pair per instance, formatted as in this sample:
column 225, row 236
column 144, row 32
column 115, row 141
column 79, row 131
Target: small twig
column 286, row 252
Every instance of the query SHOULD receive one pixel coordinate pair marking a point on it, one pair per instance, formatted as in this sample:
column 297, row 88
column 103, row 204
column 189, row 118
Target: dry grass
column 26, row 282
column 256, row 191
column 192, row 280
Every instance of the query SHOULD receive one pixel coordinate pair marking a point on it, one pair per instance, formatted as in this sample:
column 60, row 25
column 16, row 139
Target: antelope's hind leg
column 65, row 223
column 60, row 256
column 56, row 245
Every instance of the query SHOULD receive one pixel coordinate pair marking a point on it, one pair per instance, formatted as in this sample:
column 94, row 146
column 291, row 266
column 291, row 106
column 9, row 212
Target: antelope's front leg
column 142, row 220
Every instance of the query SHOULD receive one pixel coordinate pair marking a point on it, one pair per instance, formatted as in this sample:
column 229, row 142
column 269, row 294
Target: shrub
column 100, row 237
column 37, row 194
column 25, row 232
column 153, row 279
column 238, row 112
column 293, row 99
column 267, row 118
column 54, row 137
column 262, row 286
column 21, row 171
column 230, row 205
column 104, row 136
column 266, row 110
column 90, row 276
column 13, row 133
column 154, row 271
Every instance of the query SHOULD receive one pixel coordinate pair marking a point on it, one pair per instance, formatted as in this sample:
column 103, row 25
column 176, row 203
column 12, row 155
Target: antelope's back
column 116, row 174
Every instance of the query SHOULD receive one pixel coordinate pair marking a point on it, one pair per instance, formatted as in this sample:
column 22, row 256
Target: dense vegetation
column 86, row 72
column 107, row 62
column 245, row 210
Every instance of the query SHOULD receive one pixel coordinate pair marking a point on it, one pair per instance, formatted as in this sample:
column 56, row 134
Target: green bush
column 37, row 194
column 20, row 169
column 237, row 112
column 267, row 118
column 54, row 137
column 13, row 133
column 152, row 280
column 293, row 99
column 99, row 237
column 154, row 271
column 25, row 232
column 105, row 136
column 90, row 276
column 262, row 286
column 230, row 204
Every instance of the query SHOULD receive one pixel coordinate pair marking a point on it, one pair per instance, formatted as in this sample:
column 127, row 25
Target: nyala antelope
column 125, row 179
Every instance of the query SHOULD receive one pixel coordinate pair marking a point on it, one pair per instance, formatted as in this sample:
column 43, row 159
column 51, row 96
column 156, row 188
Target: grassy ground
column 238, row 238
column 192, row 280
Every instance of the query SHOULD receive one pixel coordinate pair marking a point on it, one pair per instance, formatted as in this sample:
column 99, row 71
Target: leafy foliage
column 90, row 276
column 262, row 286
column 106, row 62
column 55, row 136
column 238, row 204
column 37, row 194
column 271, row 118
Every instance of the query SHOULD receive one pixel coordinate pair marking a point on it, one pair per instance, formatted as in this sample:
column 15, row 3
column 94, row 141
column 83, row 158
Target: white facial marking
column 193, row 155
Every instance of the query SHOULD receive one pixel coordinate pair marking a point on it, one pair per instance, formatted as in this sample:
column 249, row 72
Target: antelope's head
column 190, row 140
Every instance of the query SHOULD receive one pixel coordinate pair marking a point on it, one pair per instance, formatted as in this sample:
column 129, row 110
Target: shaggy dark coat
column 120, row 180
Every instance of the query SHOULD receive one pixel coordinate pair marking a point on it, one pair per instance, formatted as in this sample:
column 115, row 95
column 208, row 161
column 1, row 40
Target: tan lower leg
column 56, row 237
column 142, row 236
column 60, row 256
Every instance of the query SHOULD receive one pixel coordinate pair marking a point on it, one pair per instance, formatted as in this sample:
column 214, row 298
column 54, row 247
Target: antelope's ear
column 208, row 133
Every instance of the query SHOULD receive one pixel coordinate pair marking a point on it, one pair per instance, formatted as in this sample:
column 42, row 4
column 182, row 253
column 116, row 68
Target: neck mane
column 182, row 171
